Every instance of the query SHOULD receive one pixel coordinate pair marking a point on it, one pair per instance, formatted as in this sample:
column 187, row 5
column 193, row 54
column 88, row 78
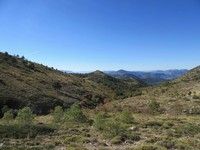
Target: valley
column 44, row 108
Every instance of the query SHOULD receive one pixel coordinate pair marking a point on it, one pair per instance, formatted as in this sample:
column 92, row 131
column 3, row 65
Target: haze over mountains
column 149, row 77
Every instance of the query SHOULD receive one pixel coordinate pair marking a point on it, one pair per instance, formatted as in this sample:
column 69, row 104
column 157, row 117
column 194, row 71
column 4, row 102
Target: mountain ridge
column 150, row 77
column 25, row 83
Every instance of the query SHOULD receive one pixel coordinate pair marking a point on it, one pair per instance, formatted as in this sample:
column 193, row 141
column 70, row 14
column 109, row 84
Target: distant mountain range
column 151, row 77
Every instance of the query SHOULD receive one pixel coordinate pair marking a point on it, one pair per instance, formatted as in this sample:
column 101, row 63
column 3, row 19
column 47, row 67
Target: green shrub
column 100, row 121
column 153, row 124
column 133, row 136
column 168, row 125
column 127, row 117
column 187, row 143
column 109, row 127
column 154, row 106
column 25, row 116
column 150, row 147
column 75, row 114
column 58, row 114
column 114, row 128
column 24, row 131
column 8, row 116
column 117, row 140
column 187, row 130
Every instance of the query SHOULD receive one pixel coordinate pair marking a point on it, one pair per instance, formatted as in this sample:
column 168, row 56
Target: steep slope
column 184, row 86
column 192, row 75
column 24, row 83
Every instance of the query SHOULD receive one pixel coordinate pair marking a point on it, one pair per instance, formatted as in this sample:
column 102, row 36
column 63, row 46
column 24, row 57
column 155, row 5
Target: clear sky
column 86, row 35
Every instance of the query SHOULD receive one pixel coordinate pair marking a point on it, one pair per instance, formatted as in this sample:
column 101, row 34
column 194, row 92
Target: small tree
column 6, row 54
column 58, row 114
column 25, row 116
column 8, row 116
column 75, row 114
column 23, row 58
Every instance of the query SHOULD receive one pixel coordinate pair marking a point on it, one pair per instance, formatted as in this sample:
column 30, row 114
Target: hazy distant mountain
column 151, row 77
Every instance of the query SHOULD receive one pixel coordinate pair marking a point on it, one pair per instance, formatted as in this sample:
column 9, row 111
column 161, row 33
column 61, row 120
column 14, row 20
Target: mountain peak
column 98, row 72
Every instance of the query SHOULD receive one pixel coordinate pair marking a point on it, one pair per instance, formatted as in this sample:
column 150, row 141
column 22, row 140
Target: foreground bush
column 75, row 114
column 25, row 116
column 18, row 131
column 23, row 126
column 126, row 117
column 188, row 130
column 114, row 128
column 8, row 117
column 100, row 121
column 58, row 114
column 154, row 106
column 110, row 127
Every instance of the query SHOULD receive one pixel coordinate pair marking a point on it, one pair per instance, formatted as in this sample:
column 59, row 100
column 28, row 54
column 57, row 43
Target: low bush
column 167, row 143
column 149, row 147
column 187, row 143
column 58, row 114
column 154, row 106
column 113, row 128
column 153, row 124
column 109, row 127
column 8, row 117
column 100, row 121
column 25, row 116
column 187, row 130
column 18, row 131
column 75, row 114
column 126, row 117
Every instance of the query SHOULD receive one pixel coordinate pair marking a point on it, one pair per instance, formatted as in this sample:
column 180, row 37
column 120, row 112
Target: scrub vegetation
column 42, row 108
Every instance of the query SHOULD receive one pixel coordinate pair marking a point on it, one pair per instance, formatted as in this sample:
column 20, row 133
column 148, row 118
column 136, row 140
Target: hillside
column 120, row 88
column 151, row 78
column 192, row 75
column 164, row 116
column 24, row 83
column 179, row 96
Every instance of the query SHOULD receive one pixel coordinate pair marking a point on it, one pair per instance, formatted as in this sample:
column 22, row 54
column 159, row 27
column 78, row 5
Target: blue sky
column 86, row 35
